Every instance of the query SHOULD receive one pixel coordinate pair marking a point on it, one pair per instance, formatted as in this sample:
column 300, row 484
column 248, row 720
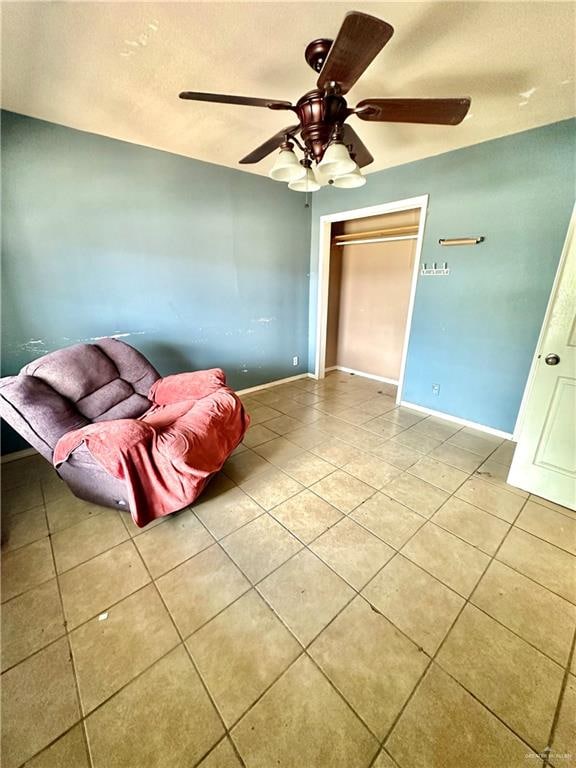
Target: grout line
column 186, row 649
column 429, row 519
column 77, row 723
column 333, row 685
column 382, row 490
column 252, row 587
column 38, row 650
column 306, row 648
column 387, row 754
column 309, row 488
column 347, row 514
column 458, row 594
column 466, row 600
column 67, row 635
column 560, row 703
column 226, row 738
column 6, row 551
column 466, row 603
column 559, row 547
column 290, row 630
column 304, row 545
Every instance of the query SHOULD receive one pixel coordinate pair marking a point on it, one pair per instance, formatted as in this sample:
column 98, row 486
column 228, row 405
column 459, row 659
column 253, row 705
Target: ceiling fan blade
column 360, row 39
column 247, row 101
column 362, row 155
column 269, row 146
column 433, row 111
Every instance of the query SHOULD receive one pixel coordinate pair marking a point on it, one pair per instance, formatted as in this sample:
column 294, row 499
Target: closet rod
column 410, row 229
column 378, row 240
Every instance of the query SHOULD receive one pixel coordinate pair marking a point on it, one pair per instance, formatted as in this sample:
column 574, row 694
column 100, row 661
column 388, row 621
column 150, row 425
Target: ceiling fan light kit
column 336, row 161
column 308, row 183
column 287, row 166
column 349, row 180
column 327, row 140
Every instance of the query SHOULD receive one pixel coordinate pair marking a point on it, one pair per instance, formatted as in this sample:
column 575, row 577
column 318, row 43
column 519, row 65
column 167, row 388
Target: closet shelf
column 377, row 240
column 376, row 234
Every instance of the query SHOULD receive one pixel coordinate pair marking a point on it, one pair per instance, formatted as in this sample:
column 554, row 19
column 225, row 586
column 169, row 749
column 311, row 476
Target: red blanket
column 167, row 455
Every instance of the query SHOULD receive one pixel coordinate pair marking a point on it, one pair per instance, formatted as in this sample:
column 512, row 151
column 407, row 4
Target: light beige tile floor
column 359, row 588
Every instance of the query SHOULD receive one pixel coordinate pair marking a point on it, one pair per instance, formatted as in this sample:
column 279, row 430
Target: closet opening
column 368, row 269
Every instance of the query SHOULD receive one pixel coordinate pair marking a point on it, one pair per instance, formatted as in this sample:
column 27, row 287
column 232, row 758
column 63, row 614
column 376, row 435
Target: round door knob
column 552, row 359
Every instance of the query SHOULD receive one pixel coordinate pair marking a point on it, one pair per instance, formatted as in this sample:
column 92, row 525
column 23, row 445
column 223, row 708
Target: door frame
column 410, row 203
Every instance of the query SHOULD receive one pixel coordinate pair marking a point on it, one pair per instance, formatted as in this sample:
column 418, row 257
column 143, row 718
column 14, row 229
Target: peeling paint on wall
column 141, row 40
column 35, row 348
column 38, row 346
column 117, row 335
column 526, row 96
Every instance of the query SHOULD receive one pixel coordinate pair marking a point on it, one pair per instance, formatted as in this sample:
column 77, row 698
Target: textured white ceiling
column 116, row 69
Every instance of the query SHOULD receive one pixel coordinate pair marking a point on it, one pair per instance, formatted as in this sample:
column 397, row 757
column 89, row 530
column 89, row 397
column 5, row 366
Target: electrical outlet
column 295, row 360
column 436, row 389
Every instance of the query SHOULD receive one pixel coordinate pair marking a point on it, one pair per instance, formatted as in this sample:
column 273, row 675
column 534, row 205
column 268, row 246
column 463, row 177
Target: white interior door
column 545, row 458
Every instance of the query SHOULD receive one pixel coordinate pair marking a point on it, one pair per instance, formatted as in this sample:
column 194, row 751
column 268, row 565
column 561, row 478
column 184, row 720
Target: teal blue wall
column 202, row 265
column 474, row 332
column 197, row 264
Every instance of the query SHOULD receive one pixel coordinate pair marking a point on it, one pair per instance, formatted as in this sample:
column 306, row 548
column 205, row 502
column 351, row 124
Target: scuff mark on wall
column 264, row 320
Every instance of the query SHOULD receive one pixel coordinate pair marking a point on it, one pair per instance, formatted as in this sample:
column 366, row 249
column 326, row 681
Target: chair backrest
column 75, row 386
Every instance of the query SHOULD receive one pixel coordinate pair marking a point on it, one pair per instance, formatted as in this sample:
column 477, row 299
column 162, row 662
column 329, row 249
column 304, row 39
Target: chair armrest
column 186, row 386
column 107, row 441
column 37, row 412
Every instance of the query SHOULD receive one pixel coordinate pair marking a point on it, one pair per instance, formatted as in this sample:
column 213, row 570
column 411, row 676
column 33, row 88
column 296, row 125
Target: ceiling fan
column 326, row 138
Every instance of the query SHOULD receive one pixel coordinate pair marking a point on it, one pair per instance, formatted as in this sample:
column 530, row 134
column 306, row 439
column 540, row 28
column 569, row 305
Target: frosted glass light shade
column 350, row 180
column 306, row 184
column 336, row 161
column 287, row 167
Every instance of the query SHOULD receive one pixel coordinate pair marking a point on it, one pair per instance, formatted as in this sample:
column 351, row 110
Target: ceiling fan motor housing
column 322, row 113
column 319, row 112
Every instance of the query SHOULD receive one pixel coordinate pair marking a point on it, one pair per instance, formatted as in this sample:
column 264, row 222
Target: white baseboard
column 458, row 420
column 270, row 384
column 383, row 379
column 18, row 455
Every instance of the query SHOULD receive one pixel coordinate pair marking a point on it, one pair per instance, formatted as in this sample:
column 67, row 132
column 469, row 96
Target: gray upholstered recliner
column 73, row 387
